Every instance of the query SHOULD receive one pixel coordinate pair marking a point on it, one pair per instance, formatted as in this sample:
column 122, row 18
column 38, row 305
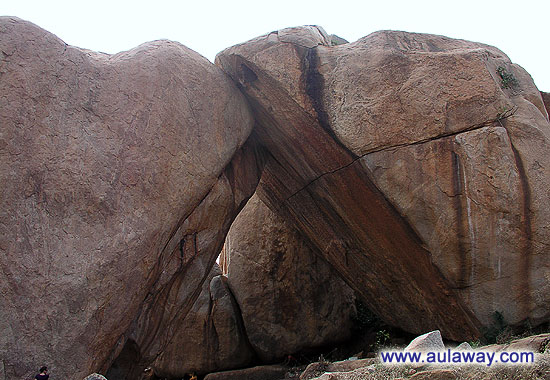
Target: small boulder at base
column 428, row 342
column 95, row 376
column 266, row 372
column 318, row 368
column 464, row 346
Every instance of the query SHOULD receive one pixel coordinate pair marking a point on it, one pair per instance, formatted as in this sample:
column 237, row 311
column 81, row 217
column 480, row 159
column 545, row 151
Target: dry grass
column 540, row 370
column 377, row 371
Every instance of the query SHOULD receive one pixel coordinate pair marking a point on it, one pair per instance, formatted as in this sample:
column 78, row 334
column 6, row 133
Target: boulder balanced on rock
column 414, row 163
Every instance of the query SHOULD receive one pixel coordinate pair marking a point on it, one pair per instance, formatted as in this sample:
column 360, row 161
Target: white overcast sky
column 520, row 28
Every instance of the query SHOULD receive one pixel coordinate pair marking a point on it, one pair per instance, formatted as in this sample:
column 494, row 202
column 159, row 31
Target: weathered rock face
column 119, row 176
column 210, row 338
column 290, row 298
column 476, row 195
column 415, row 163
column 194, row 247
column 546, row 100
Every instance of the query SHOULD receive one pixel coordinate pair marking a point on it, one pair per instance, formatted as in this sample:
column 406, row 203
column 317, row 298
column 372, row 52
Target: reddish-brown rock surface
column 546, row 100
column 290, row 298
column 416, row 163
column 116, row 194
column 211, row 338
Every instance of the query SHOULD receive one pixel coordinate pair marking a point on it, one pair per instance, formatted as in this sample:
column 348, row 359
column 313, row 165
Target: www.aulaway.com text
column 458, row 357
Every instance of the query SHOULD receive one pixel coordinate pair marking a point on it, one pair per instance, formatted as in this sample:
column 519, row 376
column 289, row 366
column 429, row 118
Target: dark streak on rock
column 524, row 295
column 457, row 190
column 239, row 319
column 247, row 75
column 182, row 249
column 314, row 84
column 464, row 264
column 210, row 333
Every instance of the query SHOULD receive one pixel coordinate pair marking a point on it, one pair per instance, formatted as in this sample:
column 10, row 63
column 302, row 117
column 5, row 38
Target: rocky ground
column 540, row 370
column 372, row 368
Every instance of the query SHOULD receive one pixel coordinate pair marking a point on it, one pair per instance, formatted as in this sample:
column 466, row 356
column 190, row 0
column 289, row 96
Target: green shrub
column 507, row 80
column 382, row 339
column 364, row 319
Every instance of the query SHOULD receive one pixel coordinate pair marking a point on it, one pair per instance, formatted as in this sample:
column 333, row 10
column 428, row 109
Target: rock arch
column 402, row 158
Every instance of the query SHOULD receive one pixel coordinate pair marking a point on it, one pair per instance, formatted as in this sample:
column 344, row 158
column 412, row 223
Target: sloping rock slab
column 536, row 343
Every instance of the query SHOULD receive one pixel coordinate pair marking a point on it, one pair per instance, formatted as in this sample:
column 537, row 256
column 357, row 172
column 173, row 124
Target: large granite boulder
column 119, row 177
column 289, row 297
column 417, row 164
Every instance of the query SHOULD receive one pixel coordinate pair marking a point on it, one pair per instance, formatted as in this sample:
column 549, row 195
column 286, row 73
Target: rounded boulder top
column 95, row 376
